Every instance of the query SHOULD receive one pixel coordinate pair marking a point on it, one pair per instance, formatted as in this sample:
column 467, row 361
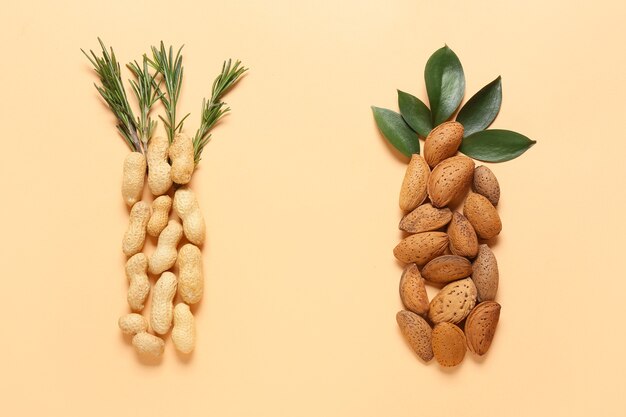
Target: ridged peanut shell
column 486, row 184
column 133, row 177
column 442, row 142
column 450, row 180
column 190, row 274
column 139, row 286
column 480, row 326
column 182, row 156
column 413, row 191
column 164, row 256
column 162, row 307
column 159, row 170
column 482, row 215
column 421, row 248
column 132, row 323
column 161, row 207
column 412, row 290
column 485, row 274
column 184, row 330
column 448, row 344
column 417, row 333
column 148, row 344
column 447, row 268
column 463, row 239
column 454, row 302
column 135, row 235
column 425, row 218
column 187, row 208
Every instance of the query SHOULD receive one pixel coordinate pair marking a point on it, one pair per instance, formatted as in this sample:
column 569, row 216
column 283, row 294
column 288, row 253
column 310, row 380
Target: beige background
column 300, row 195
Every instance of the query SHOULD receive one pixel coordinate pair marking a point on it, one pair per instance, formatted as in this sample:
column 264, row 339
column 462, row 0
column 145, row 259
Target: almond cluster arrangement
column 450, row 214
column 168, row 162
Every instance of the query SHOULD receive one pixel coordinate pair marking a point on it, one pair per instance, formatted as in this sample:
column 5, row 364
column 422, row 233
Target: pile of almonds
column 447, row 248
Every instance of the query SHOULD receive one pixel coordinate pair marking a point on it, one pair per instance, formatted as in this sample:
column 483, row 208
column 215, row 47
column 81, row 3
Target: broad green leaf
column 415, row 113
column 445, row 84
column 481, row 110
column 495, row 145
column 396, row 131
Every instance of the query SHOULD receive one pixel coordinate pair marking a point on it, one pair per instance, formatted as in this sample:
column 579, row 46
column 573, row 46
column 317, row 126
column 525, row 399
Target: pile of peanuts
column 154, row 220
column 449, row 249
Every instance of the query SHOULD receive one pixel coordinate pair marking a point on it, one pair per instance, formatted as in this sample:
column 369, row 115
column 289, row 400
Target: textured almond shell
column 425, row 218
column 161, row 207
column 454, row 302
column 442, row 142
column 164, row 256
column 162, row 307
column 485, row 274
column 148, row 344
column 187, row 208
column 480, row 326
column 417, row 333
column 450, row 180
column 412, row 290
column 413, row 191
column 463, row 239
column 139, row 285
column 184, row 331
column 482, row 215
column 448, row 344
column 181, row 155
column 421, row 248
column 447, row 268
column 133, row 177
column 485, row 183
column 159, row 177
column 135, row 235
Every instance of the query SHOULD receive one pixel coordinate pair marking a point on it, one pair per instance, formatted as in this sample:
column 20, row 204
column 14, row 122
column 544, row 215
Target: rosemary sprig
column 214, row 109
column 170, row 67
column 147, row 91
column 113, row 92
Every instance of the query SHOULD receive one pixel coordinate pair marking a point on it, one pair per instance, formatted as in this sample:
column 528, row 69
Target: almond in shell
column 425, row 218
column 414, row 185
column 448, row 344
column 481, row 326
column 442, row 142
column 454, row 302
column 450, row 180
column 412, row 290
column 447, row 268
column 421, row 248
column 417, row 333
column 485, row 274
column 486, row 184
column 482, row 215
column 463, row 239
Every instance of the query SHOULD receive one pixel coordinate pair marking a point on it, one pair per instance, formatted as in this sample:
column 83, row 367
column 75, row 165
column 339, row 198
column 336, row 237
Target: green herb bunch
column 445, row 86
column 158, row 78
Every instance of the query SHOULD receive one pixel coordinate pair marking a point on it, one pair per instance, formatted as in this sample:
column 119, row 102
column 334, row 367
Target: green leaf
column 415, row 113
column 396, row 131
column 481, row 110
column 445, row 84
column 495, row 145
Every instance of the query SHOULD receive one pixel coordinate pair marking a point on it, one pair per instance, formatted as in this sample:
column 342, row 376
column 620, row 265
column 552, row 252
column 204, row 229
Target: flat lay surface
column 299, row 191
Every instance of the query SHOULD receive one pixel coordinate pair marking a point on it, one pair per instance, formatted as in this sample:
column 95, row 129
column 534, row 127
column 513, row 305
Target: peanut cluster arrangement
column 168, row 162
column 450, row 210
column 444, row 244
